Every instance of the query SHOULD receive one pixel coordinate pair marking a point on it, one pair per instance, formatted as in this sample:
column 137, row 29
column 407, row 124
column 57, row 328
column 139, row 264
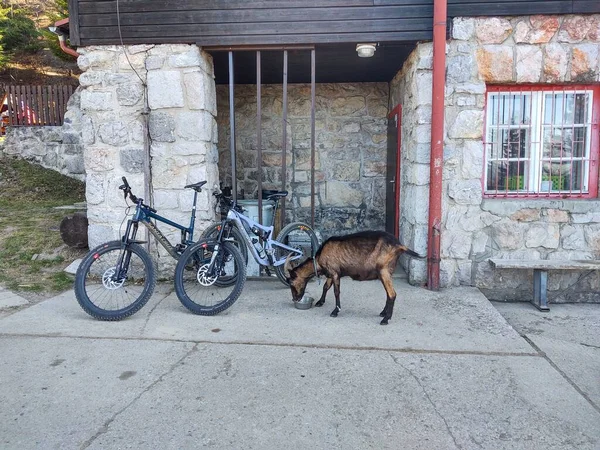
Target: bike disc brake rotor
column 109, row 281
column 203, row 278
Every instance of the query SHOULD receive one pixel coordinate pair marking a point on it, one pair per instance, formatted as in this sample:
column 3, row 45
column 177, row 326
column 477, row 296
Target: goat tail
column 408, row 251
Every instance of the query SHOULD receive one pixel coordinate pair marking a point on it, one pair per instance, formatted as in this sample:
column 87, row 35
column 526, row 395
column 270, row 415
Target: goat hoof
column 334, row 313
column 320, row 303
column 384, row 322
column 382, row 313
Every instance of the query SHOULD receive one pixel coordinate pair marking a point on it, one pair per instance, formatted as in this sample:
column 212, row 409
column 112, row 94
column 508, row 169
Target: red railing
column 35, row 105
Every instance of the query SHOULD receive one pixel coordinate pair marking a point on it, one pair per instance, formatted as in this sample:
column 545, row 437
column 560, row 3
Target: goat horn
column 287, row 266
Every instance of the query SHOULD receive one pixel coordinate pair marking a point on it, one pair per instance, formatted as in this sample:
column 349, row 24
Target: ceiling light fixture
column 366, row 50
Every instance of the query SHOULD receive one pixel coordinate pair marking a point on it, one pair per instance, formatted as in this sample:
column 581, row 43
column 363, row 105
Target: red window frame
column 594, row 141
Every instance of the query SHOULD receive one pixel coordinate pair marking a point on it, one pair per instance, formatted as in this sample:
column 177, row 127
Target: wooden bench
column 540, row 273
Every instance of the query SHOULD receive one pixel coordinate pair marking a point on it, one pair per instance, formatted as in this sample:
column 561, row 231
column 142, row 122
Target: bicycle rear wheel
column 230, row 234
column 202, row 291
column 107, row 291
column 300, row 236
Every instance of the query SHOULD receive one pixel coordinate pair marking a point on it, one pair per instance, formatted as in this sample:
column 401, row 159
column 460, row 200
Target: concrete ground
column 449, row 372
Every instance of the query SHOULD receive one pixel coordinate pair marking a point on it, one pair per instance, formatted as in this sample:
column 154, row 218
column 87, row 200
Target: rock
column 574, row 29
column 72, row 268
column 165, row 89
column 495, row 63
column 492, row 30
column 529, row 64
column 584, row 63
column 555, row 63
column 74, row 229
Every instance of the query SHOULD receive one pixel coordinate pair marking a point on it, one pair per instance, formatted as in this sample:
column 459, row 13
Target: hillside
column 47, row 65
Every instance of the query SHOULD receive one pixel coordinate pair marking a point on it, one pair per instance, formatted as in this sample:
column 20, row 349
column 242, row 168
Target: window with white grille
column 541, row 142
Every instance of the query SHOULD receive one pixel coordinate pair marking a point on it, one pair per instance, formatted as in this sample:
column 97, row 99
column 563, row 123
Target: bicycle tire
column 212, row 232
column 309, row 251
column 189, row 277
column 92, row 278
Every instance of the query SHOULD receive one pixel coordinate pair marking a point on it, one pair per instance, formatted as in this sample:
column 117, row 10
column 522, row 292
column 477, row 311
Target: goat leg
column 386, row 279
column 326, row 287
column 336, row 291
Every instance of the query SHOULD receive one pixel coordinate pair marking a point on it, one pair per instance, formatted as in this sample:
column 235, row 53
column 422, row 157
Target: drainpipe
column 437, row 144
column 62, row 40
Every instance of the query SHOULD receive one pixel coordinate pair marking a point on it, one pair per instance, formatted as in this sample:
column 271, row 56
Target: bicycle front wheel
column 207, row 290
column 113, row 282
column 300, row 236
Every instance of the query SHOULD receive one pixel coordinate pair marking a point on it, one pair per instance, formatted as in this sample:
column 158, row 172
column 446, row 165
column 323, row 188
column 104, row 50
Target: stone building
column 153, row 112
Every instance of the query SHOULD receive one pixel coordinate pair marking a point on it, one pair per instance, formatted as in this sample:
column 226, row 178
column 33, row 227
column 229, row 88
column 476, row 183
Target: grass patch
column 29, row 225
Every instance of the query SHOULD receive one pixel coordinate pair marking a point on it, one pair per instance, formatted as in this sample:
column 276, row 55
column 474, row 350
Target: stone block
column 166, row 199
column 492, row 30
column 348, row 106
column 508, row 235
column 456, row 244
column 526, row 215
column 161, row 126
column 537, row 30
column 463, row 28
column 96, row 59
column 468, row 125
column 114, row 133
column 337, row 193
column 165, row 89
column 154, row 62
column 194, row 126
column 92, row 77
column 99, row 159
column 557, row 216
column 592, row 237
column 95, row 190
column 472, row 159
column 555, row 63
column 374, row 169
column 74, row 165
column 132, row 160
column 129, row 94
column 345, row 171
column 188, row 58
column 584, row 63
column 529, row 64
column 131, row 62
column 594, row 31
column 573, row 238
column 96, row 100
column 542, row 235
column 88, row 133
column 495, row 63
column 574, row 29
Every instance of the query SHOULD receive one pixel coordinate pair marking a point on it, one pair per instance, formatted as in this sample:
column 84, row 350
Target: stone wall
column 350, row 160
column 161, row 138
column 540, row 50
column 58, row 148
column 411, row 88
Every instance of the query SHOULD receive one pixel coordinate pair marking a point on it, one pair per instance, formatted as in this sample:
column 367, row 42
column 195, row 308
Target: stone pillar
column 148, row 115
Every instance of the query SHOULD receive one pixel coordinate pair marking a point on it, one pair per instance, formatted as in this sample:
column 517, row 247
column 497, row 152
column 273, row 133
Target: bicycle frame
column 241, row 222
column 144, row 214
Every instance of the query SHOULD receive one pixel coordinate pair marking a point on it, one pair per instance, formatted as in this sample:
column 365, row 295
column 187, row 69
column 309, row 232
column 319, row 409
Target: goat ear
column 287, row 266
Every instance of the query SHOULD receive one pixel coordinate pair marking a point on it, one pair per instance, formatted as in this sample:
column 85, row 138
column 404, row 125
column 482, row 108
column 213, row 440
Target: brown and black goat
column 368, row 255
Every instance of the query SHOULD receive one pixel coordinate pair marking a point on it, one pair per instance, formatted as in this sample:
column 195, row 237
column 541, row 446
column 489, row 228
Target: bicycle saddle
column 196, row 186
column 278, row 194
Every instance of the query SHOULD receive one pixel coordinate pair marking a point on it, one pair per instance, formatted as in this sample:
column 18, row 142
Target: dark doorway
column 392, row 194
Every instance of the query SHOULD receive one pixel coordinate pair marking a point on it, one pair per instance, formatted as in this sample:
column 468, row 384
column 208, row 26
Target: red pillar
column 437, row 144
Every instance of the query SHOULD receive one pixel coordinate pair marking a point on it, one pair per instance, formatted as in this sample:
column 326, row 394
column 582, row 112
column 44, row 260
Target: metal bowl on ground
column 304, row 303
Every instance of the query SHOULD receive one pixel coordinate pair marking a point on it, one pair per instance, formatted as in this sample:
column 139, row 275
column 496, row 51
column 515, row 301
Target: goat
column 368, row 255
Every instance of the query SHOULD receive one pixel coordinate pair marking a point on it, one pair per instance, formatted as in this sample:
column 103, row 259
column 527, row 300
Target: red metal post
column 437, row 144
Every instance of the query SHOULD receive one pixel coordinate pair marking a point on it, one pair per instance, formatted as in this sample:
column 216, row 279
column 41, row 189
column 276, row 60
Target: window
column 542, row 142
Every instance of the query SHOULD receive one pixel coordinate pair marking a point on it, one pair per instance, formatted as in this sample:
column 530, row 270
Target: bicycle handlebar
column 127, row 191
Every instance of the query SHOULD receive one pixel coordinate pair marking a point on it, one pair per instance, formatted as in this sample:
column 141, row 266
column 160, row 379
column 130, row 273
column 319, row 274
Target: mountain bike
column 202, row 290
column 117, row 278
